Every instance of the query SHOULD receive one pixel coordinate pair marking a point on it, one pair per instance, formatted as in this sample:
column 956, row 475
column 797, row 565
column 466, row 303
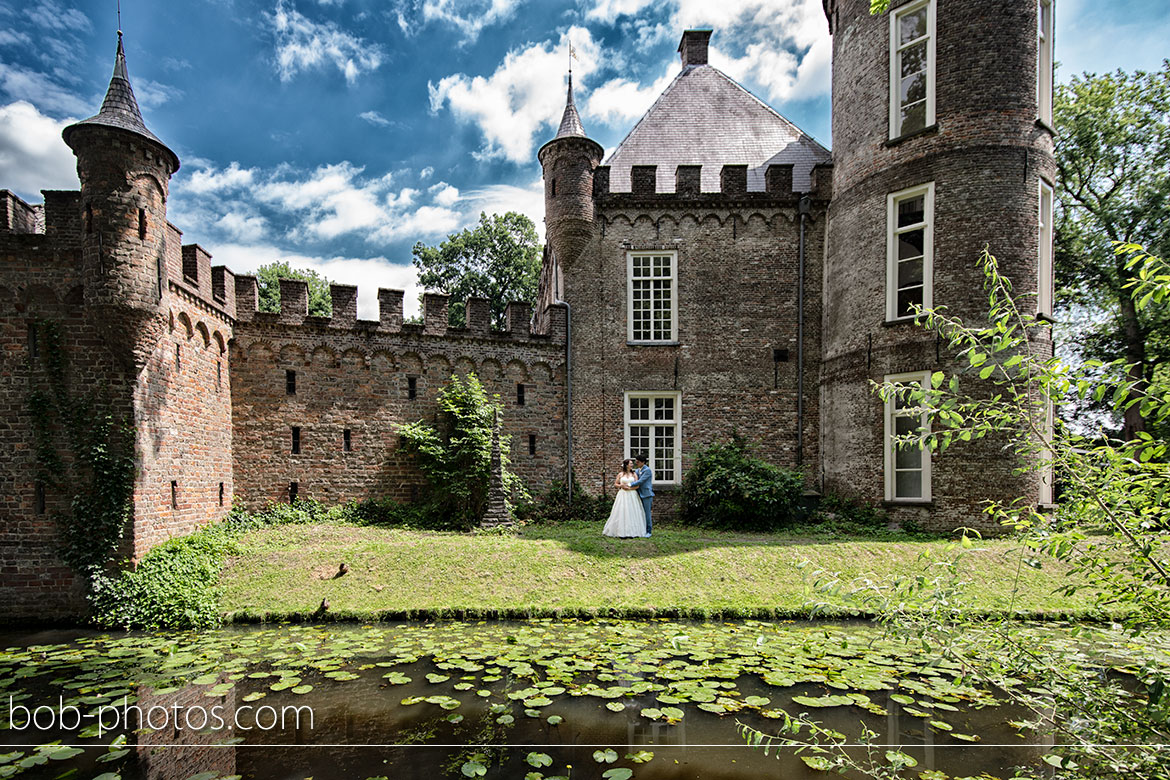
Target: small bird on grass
column 342, row 570
column 321, row 610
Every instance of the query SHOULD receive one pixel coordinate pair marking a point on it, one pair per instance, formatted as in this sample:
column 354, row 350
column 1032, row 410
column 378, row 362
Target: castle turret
column 943, row 150
column 125, row 173
column 568, row 162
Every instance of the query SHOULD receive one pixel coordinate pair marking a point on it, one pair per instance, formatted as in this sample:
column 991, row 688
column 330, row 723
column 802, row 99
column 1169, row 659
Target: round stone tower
column 941, row 147
column 568, row 162
column 125, row 173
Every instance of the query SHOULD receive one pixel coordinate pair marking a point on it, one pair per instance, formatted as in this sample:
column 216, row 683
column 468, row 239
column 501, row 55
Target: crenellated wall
column 358, row 375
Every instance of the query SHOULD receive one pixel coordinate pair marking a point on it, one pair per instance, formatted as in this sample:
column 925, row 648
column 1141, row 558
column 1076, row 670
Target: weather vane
column 119, row 2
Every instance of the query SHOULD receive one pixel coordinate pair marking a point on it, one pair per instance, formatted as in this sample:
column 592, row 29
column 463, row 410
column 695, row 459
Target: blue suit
column 645, row 485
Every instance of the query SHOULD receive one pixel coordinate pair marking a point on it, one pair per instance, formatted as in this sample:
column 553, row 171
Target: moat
column 535, row 699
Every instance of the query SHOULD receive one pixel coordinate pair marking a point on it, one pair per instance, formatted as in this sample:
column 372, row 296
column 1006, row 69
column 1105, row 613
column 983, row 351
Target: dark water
column 343, row 701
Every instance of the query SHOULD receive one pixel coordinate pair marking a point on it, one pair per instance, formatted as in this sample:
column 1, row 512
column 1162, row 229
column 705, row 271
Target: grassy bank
column 286, row 571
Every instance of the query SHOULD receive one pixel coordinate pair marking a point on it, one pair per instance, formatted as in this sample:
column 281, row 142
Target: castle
column 722, row 272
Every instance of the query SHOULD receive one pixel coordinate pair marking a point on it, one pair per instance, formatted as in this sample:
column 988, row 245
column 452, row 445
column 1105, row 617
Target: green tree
column 1111, row 530
column 268, row 278
column 454, row 454
column 1113, row 141
column 498, row 259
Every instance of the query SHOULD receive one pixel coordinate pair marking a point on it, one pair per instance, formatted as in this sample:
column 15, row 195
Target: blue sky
column 336, row 133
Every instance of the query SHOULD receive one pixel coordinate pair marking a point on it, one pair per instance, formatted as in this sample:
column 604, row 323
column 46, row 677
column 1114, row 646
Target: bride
column 627, row 518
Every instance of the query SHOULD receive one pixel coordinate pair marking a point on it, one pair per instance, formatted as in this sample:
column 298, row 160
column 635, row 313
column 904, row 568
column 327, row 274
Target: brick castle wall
column 356, row 376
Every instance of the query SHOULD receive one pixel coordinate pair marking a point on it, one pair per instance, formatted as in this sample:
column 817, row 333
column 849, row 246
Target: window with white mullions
column 909, row 251
column 652, row 308
column 911, row 68
column 1044, row 65
column 907, row 464
column 652, row 427
column 1044, row 284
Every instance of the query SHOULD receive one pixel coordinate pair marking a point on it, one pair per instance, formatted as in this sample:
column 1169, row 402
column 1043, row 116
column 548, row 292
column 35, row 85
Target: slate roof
column 705, row 118
column 120, row 109
column 571, row 121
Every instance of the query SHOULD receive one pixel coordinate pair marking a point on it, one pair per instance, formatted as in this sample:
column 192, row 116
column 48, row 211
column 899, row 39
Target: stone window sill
column 918, row 504
column 897, row 322
column 928, row 130
column 651, row 343
column 1045, row 126
column 1045, row 317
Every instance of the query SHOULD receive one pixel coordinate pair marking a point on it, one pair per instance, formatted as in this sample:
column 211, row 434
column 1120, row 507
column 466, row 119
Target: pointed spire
column 120, row 108
column 571, row 121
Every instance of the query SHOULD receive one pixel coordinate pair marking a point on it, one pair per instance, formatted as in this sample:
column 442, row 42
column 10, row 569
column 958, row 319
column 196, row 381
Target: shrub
column 455, row 454
column 729, row 487
column 176, row 585
column 554, row 506
column 836, row 513
column 387, row 512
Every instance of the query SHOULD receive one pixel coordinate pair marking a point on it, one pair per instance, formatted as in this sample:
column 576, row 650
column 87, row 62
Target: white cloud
column 32, row 155
column 13, row 38
column 786, row 47
column 520, row 98
column 609, row 10
column 243, row 227
column 620, row 100
column 426, row 173
column 374, row 118
column 367, row 273
column 501, row 198
column 152, row 94
column 53, row 16
column 468, row 16
column 302, row 44
column 444, row 194
column 208, row 180
column 42, row 91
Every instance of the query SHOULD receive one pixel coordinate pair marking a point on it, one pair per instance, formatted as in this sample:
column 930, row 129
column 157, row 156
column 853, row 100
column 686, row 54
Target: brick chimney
column 693, row 47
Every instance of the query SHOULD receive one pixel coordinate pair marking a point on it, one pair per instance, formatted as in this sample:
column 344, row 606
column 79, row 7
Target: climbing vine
column 97, row 470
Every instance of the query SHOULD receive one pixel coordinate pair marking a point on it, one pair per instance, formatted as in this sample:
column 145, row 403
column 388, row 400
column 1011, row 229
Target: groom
column 644, row 484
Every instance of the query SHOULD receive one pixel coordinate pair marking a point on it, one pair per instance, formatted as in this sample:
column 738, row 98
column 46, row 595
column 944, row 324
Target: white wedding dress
column 627, row 518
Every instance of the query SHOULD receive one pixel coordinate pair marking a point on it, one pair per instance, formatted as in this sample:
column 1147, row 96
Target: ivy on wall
column 84, row 450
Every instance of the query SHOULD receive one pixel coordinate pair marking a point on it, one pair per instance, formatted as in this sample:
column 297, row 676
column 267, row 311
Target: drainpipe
column 568, row 397
column 803, row 208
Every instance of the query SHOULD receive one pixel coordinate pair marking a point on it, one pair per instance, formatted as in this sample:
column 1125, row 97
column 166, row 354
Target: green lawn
column 286, row 571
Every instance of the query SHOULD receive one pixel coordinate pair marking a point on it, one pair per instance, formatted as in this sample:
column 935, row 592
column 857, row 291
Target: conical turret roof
column 571, row 121
column 120, row 108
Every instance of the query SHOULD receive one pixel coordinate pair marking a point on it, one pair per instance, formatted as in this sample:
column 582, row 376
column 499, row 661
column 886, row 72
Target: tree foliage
column 498, row 259
column 454, row 454
column 1106, row 718
column 268, row 278
column 1113, row 182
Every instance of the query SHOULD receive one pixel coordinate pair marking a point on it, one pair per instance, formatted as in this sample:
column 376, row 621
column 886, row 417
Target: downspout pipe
column 568, row 397
column 803, row 208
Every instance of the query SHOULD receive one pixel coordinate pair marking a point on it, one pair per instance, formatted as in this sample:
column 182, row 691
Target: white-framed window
column 907, row 467
column 654, row 426
column 1044, row 283
column 909, row 251
column 652, row 299
column 911, row 68
column 1047, row 472
column 1045, row 60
